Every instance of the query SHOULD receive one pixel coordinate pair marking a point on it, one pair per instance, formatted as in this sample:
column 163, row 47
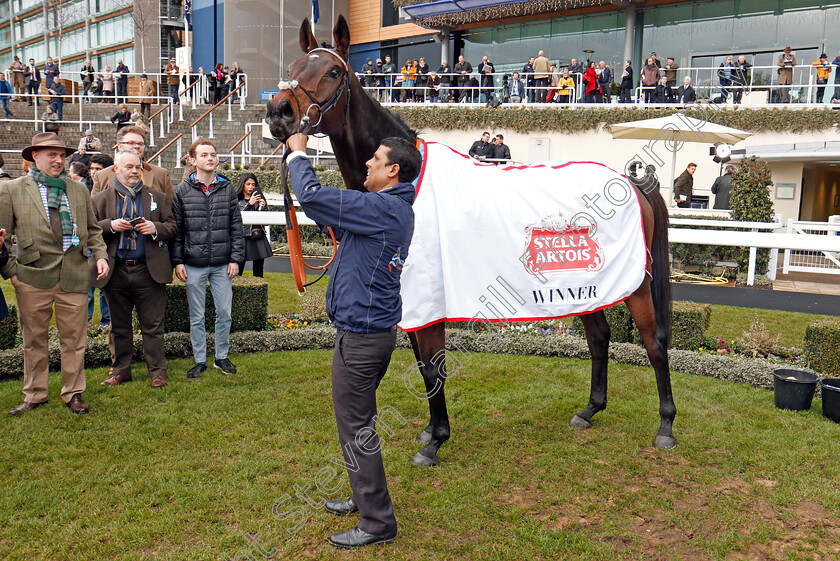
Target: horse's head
column 317, row 96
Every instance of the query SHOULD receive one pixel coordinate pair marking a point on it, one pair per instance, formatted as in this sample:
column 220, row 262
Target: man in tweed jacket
column 52, row 218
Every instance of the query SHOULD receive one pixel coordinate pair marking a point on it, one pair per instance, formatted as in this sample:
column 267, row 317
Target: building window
column 390, row 14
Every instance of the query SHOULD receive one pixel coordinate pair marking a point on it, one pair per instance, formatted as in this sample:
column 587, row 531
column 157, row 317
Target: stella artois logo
column 554, row 245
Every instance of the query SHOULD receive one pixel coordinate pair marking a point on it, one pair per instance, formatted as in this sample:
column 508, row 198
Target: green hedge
column 822, row 346
column 690, row 322
column 569, row 120
column 9, row 329
column 249, row 309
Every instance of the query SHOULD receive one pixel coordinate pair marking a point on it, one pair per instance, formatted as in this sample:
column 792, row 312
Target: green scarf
column 56, row 189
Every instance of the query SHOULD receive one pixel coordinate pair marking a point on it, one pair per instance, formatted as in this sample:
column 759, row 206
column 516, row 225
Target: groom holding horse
column 363, row 302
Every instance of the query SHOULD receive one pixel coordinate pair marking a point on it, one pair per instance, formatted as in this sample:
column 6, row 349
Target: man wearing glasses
column 134, row 139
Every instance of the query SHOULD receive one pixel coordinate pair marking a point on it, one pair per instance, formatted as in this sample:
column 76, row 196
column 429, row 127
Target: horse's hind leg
column 655, row 340
column 598, row 338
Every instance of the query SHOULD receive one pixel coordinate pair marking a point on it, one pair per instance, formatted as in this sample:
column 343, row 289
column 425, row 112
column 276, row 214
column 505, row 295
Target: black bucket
column 831, row 398
column 794, row 389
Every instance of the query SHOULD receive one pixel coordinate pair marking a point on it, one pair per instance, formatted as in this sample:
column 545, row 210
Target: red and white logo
column 553, row 245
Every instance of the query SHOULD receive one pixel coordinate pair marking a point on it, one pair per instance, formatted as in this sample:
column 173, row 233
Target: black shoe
column 341, row 508
column 196, row 370
column 224, row 365
column 359, row 538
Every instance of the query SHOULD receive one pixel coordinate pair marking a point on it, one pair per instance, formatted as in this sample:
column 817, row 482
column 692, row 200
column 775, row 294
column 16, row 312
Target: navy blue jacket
column 375, row 231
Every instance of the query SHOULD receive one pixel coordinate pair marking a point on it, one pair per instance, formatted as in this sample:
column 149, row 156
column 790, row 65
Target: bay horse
column 323, row 95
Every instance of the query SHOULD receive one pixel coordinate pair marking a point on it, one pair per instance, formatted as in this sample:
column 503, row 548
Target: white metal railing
column 759, row 81
column 161, row 79
column 811, row 259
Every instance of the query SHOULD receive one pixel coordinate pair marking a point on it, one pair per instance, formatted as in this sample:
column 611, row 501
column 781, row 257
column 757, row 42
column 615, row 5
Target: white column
column 629, row 33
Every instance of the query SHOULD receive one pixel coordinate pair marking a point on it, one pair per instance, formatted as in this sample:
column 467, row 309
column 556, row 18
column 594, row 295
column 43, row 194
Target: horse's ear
column 307, row 38
column 341, row 35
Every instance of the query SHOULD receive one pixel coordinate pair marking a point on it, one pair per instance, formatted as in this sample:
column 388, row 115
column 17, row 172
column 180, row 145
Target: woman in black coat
column 257, row 248
column 122, row 118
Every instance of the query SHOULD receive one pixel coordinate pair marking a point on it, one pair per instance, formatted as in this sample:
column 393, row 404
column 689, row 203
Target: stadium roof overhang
column 826, row 152
column 453, row 13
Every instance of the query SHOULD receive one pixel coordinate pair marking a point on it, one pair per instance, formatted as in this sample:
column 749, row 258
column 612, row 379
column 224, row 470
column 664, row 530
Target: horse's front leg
column 428, row 345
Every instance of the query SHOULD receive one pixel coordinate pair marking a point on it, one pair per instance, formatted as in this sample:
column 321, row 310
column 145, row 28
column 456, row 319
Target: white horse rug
column 519, row 243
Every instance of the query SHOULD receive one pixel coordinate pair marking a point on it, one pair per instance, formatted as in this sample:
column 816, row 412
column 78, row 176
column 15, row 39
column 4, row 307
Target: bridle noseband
column 305, row 125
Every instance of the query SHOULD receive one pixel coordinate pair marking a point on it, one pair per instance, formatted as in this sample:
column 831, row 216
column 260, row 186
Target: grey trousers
column 359, row 363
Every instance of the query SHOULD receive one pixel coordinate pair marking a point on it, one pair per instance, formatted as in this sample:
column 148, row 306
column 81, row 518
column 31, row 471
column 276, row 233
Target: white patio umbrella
column 673, row 131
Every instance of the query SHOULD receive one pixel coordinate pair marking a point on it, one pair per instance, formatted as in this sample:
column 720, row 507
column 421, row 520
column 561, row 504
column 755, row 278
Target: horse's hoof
column 424, row 461
column 665, row 442
column 425, row 437
column 579, row 422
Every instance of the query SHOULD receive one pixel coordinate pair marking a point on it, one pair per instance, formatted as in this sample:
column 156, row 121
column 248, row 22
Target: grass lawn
column 184, row 472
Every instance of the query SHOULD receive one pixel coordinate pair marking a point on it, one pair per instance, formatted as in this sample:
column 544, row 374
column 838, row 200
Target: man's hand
column 102, row 269
column 147, row 228
column 233, row 270
column 297, row 142
column 181, row 272
column 120, row 225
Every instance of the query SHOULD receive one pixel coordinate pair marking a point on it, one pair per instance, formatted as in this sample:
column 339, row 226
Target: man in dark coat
column 684, row 186
column 482, row 149
column 208, row 246
column 363, row 302
column 685, row 93
column 722, row 188
column 626, row 83
column 501, row 151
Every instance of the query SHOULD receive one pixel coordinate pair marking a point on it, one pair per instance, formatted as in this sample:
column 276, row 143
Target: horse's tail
column 660, row 286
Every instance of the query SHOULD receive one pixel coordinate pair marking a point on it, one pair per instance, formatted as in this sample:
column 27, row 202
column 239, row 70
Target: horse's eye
column 334, row 73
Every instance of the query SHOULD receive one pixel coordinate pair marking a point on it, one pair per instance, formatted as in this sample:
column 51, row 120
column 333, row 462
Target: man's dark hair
column 80, row 169
column 103, row 160
column 406, row 155
column 500, row 137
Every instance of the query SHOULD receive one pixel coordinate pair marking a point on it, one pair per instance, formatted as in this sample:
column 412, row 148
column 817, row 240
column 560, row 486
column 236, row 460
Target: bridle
column 305, row 126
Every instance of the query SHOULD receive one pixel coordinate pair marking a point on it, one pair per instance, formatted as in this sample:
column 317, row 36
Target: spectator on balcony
column 173, row 79
column 147, row 92
column 390, row 71
column 836, row 63
column 433, row 87
column 122, row 118
column 823, row 72
column 96, row 91
column 604, row 82
column 671, row 73
column 32, row 78
column 515, row 91
column 626, row 88
column 552, row 85
column 685, row 93
column 786, row 62
column 107, row 85
column 379, row 80
column 50, row 72
column 463, row 69
column 88, row 74
column 590, row 83
column 663, row 93
column 725, row 73
column 576, row 70
column 482, row 149
column 740, row 78
column 6, row 96
column 650, row 78
column 257, row 248
column 16, row 77
column 237, row 77
column 57, row 93
column 542, row 69
column 528, row 74
column 368, row 70
column 445, row 73
column 228, row 87
column 684, row 186
column 49, row 117
column 656, row 61
column 486, row 70
column 565, row 87
column 409, row 74
column 121, row 74
column 422, row 76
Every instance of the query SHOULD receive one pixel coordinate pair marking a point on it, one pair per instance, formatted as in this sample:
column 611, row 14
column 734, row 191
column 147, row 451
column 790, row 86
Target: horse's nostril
column 285, row 110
